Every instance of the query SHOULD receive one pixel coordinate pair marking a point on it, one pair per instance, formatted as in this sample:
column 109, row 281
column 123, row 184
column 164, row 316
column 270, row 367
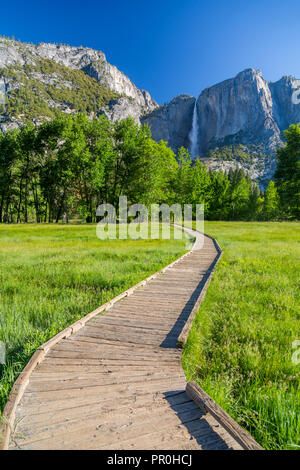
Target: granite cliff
column 40, row 80
column 239, row 121
column 172, row 122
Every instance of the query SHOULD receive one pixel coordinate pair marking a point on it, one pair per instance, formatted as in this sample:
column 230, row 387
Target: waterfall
column 193, row 136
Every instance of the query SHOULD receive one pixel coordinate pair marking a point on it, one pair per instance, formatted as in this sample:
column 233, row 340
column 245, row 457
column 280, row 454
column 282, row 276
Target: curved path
column 117, row 383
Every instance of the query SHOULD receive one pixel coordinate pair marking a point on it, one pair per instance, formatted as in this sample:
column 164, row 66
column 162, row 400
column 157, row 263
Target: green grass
column 50, row 276
column 240, row 346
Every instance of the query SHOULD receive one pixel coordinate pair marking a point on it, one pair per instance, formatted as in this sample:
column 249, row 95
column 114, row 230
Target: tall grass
column 50, row 276
column 240, row 346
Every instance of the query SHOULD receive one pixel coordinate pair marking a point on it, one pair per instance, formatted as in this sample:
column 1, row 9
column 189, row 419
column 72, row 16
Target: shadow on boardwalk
column 199, row 429
column 170, row 340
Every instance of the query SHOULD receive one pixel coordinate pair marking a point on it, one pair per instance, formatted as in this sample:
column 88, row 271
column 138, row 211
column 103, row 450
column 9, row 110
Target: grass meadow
column 51, row 276
column 239, row 349
column 240, row 346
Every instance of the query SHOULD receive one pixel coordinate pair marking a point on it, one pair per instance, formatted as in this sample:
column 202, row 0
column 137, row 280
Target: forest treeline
column 66, row 167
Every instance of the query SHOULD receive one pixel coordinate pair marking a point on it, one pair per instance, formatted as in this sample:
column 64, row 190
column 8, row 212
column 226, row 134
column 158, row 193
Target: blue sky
column 169, row 47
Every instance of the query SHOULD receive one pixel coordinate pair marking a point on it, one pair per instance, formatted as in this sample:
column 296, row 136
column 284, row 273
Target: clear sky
column 169, row 47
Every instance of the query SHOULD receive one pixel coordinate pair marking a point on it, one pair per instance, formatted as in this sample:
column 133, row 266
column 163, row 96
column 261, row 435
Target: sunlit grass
column 50, row 276
column 240, row 346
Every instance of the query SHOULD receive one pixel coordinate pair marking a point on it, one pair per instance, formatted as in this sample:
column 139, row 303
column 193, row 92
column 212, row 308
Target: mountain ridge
column 240, row 120
column 245, row 113
column 31, row 59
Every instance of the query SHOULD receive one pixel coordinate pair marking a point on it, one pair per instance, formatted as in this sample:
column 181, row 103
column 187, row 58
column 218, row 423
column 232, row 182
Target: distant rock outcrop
column 43, row 67
column 286, row 101
column 239, row 110
column 121, row 109
column 245, row 112
column 172, row 123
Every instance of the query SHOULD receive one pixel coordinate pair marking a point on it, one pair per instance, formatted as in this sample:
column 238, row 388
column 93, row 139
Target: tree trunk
column 59, row 213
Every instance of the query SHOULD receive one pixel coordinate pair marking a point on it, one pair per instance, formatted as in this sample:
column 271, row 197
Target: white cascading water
column 194, row 133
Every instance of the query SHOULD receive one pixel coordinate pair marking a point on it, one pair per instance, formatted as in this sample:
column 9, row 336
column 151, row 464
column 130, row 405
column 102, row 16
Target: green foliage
column 287, row 176
column 45, row 89
column 72, row 164
column 239, row 349
column 236, row 152
column 271, row 202
column 67, row 166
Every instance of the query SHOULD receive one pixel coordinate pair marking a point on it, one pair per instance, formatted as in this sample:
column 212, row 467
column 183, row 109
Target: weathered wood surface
column 117, row 382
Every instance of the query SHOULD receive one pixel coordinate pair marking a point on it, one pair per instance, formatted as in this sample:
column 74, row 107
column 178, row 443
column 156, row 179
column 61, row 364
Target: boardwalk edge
column 182, row 338
column 208, row 405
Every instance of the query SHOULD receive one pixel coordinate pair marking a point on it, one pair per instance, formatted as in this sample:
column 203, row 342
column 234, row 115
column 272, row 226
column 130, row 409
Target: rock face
column 172, row 123
column 286, row 101
column 121, row 109
column 239, row 110
column 14, row 54
column 245, row 111
column 239, row 121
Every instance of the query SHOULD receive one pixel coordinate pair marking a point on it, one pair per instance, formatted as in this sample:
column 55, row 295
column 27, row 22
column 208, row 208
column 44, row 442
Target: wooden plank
column 138, row 301
column 89, row 342
column 88, row 382
column 103, row 352
column 141, row 322
column 83, row 334
column 106, row 417
column 198, row 435
column 102, row 376
column 132, row 338
column 36, row 409
column 111, row 432
column 168, row 315
column 138, row 386
column 50, row 368
column 66, row 361
column 130, row 328
column 128, row 347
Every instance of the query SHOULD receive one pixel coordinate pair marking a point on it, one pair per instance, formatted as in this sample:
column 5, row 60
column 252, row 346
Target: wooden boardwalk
column 117, row 383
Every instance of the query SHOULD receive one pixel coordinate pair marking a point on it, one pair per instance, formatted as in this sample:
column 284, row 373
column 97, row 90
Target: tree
column 9, row 152
column 183, row 183
column 27, row 172
column 287, row 175
column 255, row 203
column 240, row 189
column 201, row 185
column 220, row 193
column 56, row 144
column 271, row 202
column 73, row 163
column 92, row 154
